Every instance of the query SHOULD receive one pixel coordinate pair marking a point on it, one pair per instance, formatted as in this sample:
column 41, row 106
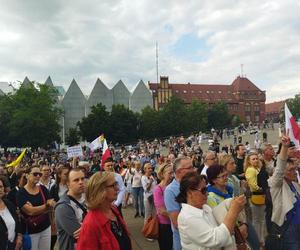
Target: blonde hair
column 161, row 170
column 247, row 160
column 96, row 192
column 225, row 159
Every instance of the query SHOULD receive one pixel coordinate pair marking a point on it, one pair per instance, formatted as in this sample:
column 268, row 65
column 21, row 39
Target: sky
column 199, row 41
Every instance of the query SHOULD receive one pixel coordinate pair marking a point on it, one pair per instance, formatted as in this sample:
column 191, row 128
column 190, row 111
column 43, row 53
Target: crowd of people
column 238, row 198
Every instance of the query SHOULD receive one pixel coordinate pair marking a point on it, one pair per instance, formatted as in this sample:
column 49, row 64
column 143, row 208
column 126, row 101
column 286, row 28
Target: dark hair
column 237, row 147
column 213, row 171
column 109, row 159
column 188, row 182
column 2, row 178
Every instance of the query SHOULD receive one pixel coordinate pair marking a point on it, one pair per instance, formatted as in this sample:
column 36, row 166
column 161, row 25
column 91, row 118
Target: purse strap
column 43, row 195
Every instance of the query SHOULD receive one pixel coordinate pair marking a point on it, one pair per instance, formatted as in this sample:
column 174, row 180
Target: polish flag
column 105, row 152
column 291, row 127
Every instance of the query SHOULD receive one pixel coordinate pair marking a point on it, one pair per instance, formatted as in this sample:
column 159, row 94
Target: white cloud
column 115, row 39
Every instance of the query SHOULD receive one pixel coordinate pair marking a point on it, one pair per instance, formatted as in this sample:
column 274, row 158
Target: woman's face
column 253, row 160
column 112, row 190
column 231, row 166
column 197, row 197
column 168, row 174
column 221, row 180
column 2, row 190
column 148, row 170
column 34, row 175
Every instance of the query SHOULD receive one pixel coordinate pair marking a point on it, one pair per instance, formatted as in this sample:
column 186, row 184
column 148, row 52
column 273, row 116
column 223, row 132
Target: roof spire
column 242, row 70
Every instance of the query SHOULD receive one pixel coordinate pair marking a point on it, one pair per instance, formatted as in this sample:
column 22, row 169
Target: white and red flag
column 291, row 127
column 105, row 151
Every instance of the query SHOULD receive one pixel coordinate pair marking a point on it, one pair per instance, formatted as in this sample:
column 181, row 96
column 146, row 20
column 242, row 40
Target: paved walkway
column 135, row 226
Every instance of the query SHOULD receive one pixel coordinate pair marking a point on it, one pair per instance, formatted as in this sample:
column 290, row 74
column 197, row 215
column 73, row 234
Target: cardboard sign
column 75, row 151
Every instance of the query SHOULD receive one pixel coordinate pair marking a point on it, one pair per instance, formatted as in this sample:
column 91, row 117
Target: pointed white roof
column 49, row 81
column 121, row 94
column 26, row 82
column 141, row 97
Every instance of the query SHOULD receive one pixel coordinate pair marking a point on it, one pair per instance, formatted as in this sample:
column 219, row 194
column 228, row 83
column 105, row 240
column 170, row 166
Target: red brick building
column 242, row 97
column 274, row 110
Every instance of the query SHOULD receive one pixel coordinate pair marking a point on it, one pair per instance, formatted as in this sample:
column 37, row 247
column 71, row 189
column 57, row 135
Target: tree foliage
column 29, row 117
column 218, row 116
column 72, row 137
column 294, row 105
column 95, row 124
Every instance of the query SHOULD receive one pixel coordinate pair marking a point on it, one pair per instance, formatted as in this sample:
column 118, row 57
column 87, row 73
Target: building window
column 192, row 91
column 184, row 91
column 220, row 92
column 200, row 91
column 247, row 107
column 207, row 91
column 176, row 91
column 256, row 107
column 248, row 118
column 257, row 118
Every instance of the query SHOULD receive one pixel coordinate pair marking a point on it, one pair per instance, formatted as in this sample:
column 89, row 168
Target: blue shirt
column 294, row 214
column 172, row 190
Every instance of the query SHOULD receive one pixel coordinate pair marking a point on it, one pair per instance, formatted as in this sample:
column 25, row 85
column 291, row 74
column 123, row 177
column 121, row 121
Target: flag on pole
column 291, row 127
column 105, row 152
column 18, row 160
column 97, row 143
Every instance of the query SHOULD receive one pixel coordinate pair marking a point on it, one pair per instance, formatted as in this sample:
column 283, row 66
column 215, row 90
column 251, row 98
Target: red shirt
column 96, row 232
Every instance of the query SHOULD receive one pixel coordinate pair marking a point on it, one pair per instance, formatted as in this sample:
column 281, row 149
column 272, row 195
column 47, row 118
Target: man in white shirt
column 210, row 159
column 108, row 166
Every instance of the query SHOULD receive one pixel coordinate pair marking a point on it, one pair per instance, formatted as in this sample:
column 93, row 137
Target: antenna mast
column 242, row 66
column 156, row 45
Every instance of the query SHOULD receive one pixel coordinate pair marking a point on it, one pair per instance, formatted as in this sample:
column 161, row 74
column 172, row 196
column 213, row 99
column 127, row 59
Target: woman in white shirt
column 137, row 189
column 10, row 231
column 148, row 183
column 197, row 226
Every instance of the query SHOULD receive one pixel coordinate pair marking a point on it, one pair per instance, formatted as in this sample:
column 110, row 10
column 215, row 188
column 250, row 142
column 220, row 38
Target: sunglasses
column 37, row 174
column 202, row 190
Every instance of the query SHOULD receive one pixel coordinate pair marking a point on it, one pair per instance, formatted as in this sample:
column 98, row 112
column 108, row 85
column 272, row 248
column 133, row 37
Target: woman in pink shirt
column 165, row 238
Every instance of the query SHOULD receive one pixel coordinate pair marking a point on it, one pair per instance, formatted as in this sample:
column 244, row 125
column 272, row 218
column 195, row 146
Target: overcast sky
column 200, row 41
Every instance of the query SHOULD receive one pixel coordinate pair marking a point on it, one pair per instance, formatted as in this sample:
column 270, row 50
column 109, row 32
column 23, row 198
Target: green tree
column 197, row 116
column 218, row 116
column 30, row 117
column 149, row 123
column 123, row 124
column 73, row 137
column 173, row 117
column 294, row 105
column 95, row 124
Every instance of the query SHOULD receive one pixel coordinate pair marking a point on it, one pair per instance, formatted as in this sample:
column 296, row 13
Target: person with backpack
column 71, row 210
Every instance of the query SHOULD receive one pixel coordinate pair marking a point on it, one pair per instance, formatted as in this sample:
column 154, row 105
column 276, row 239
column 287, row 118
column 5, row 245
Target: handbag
column 239, row 240
column 150, row 199
column 258, row 198
column 26, row 245
column 33, row 221
column 151, row 228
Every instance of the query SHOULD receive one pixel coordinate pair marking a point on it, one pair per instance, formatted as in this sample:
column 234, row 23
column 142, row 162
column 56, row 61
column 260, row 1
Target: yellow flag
column 18, row 160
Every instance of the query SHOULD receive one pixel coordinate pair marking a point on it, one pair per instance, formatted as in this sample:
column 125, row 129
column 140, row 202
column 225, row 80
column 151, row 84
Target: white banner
column 75, row 151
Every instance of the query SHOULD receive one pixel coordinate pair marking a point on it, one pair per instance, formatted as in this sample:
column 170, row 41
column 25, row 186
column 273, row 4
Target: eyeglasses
column 188, row 168
column 114, row 185
column 202, row 190
column 225, row 176
column 211, row 159
column 37, row 174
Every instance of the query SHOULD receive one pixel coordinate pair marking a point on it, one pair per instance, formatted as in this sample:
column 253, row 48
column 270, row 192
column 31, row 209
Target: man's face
column 242, row 151
column 46, row 171
column 76, row 182
column 290, row 172
column 185, row 167
column 211, row 159
column 269, row 153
